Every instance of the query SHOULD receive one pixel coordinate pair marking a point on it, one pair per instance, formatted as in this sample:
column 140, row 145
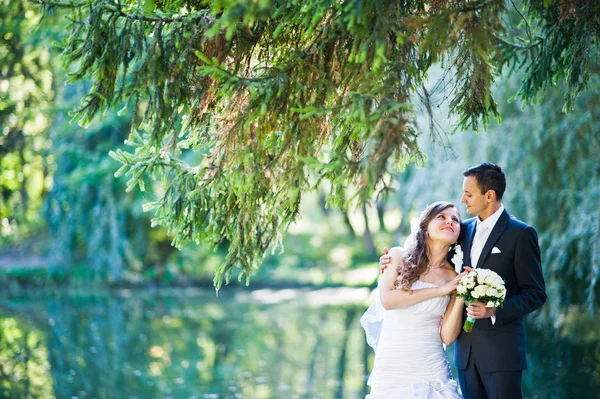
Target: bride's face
column 445, row 226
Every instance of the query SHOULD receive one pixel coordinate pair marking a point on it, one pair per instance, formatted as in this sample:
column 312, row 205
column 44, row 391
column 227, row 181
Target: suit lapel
column 470, row 235
column 493, row 238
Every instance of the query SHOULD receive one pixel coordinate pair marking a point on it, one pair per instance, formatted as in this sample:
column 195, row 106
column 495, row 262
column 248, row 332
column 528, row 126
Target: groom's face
column 472, row 197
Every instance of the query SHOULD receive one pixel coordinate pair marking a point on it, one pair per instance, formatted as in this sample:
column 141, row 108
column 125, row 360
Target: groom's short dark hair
column 489, row 177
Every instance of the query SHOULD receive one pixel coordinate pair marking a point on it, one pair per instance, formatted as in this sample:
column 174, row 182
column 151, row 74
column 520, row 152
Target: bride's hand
column 449, row 287
column 463, row 274
column 384, row 260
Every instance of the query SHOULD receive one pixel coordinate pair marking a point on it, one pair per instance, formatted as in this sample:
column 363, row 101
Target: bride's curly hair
column 416, row 257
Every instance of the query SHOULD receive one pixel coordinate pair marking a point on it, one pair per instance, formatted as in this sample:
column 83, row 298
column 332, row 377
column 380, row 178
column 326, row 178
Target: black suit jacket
column 501, row 346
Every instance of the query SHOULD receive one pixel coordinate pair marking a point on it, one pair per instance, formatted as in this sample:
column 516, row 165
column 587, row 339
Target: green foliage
column 559, row 190
column 560, row 45
column 56, row 180
column 91, row 218
column 26, row 94
column 553, row 183
column 244, row 106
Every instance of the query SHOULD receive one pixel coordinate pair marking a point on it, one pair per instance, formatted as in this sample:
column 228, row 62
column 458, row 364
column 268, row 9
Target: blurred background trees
column 67, row 222
column 62, row 209
column 26, row 113
column 60, row 205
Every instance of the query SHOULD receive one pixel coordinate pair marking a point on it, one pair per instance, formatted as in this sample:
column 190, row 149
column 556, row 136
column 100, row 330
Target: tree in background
column 26, row 95
column 59, row 201
column 553, row 183
column 556, row 188
column 272, row 93
column 92, row 220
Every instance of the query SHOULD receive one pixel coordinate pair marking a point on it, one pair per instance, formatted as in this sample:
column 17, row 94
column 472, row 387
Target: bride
column 414, row 313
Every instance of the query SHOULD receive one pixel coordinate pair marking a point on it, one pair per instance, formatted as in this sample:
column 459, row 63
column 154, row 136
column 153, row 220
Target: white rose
column 491, row 291
column 479, row 291
column 490, row 304
column 484, row 290
column 461, row 289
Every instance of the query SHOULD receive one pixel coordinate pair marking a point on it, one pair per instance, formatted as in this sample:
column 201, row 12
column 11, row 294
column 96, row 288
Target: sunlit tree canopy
column 242, row 106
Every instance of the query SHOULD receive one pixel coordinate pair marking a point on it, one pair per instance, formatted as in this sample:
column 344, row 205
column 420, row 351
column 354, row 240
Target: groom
column 491, row 358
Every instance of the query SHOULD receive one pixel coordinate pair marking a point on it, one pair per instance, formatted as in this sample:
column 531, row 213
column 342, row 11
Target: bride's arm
column 392, row 298
column 452, row 321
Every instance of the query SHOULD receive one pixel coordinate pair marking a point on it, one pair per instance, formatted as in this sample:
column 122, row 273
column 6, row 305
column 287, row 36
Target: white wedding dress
column 410, row 361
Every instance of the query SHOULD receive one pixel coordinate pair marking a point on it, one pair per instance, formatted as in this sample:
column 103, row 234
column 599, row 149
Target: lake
column 245, row 343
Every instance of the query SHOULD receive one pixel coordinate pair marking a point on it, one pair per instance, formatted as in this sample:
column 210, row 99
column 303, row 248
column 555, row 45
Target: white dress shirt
column 482, row 233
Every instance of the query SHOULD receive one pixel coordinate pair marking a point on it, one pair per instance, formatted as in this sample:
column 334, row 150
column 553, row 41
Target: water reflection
column 24, row 368
column 244, row 344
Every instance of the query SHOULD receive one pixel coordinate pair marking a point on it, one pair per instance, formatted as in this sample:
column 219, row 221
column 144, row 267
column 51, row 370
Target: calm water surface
column 187, row 343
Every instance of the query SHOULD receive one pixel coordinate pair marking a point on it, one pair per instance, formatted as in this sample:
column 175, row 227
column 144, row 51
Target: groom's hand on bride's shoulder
column 384, row 260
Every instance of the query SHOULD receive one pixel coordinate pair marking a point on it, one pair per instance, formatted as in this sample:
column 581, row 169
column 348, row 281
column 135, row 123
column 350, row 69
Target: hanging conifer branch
column 240, row 104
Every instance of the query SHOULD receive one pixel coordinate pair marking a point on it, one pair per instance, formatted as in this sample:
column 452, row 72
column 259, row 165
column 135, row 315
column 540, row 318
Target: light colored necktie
column 478, row 243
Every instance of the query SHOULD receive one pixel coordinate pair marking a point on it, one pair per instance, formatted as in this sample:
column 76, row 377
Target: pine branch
column 265, row 97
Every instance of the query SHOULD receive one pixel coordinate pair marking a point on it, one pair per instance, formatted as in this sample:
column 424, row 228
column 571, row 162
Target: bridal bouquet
column 481, row 285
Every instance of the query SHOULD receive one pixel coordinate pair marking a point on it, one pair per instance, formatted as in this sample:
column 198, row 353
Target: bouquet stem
column 469, row 323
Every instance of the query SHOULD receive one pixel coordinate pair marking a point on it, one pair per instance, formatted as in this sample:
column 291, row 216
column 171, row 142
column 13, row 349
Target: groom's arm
column 531, row 293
